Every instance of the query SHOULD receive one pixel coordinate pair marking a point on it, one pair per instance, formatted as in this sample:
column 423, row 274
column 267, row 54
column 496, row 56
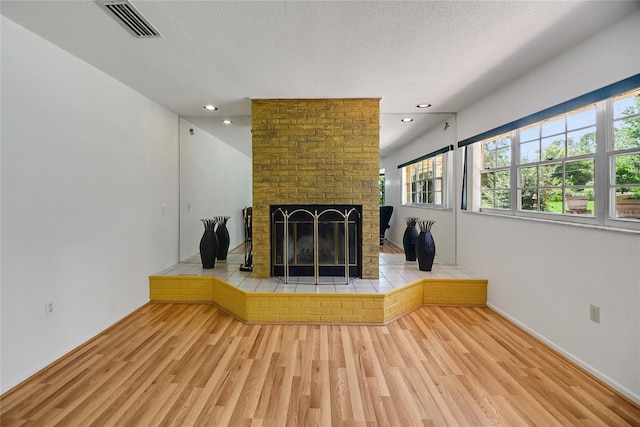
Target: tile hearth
column 395, row 272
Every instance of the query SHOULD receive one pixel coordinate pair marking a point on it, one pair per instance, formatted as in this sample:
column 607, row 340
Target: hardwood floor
column 389, row 248
column 190, row 364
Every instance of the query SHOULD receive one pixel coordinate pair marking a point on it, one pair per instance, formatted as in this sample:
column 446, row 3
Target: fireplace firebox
column 316, row 244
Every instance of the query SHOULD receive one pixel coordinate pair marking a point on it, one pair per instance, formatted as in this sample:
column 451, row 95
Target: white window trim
column 447, row 177
column 604, row 169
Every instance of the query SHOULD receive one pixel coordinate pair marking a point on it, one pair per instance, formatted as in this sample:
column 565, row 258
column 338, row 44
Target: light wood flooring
column 184, row 365
column 389, row 248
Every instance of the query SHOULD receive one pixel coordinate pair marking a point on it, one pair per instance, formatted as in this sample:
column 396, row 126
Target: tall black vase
column 409, row 243
column 223, row 238
column 409, row 239
column 208, row 244
column 425, row 250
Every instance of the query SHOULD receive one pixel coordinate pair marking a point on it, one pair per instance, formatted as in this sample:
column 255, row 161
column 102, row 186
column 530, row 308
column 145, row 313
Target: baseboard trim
column 588, row 369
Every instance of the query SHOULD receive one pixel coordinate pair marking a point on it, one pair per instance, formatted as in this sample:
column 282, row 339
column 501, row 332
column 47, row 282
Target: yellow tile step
column 344, row 308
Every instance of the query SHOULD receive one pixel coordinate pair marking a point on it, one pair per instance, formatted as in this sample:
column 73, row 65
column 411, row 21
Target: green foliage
column 567, row 167
column 628, row 170
column 556, row 207
column 627, row 131
column 635, row 194
column 579, row 173
column 532, row 202
column 576, row 173
column 495, row 189
column 627, row 135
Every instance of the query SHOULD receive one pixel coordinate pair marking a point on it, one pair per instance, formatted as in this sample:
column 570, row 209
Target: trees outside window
column 496, row 173
column 381, row 185
column 625, row 155
column 558, row 165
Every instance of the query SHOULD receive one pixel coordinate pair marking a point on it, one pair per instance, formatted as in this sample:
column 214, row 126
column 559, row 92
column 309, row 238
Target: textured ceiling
column 447, row 53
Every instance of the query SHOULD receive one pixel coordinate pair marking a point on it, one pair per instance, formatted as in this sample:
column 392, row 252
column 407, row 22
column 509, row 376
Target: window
column 557, row 164
column 424, row 181
column 582, row 165
column 624, row 157
column 496, row 174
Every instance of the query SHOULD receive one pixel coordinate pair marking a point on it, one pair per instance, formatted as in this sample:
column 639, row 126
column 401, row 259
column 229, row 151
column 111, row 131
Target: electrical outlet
column 49, row 308
column 594, row 313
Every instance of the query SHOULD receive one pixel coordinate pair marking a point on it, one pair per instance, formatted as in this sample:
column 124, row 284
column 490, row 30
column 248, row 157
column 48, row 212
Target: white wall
column 87, row 164
column 444, row 229
column 215, row 180
column 544, row 275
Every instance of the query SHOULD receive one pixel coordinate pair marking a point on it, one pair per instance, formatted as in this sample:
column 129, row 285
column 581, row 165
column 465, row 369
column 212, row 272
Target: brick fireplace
column 315, row 152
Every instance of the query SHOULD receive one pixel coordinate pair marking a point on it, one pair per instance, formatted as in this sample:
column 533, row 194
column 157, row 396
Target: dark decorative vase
column 208, row 244
column 223, row 237
column 409, row 238
column 425, row 246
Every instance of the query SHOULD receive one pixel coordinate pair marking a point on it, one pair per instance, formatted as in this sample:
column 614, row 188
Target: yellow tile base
column 276, row 307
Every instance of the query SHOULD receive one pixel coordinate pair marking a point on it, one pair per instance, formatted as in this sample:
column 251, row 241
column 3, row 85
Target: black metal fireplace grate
column 316, row 241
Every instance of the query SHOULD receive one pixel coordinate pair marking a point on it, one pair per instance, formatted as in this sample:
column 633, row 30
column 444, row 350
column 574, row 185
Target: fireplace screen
column 316, row 241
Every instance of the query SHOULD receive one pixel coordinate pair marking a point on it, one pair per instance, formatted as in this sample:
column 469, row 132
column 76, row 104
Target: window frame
column 438, row 183
column 604, row 172
column 498, row 168
column 612, row 153
column 564, row 187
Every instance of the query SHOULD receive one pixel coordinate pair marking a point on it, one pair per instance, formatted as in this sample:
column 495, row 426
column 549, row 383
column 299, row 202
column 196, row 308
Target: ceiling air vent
column 130, row 17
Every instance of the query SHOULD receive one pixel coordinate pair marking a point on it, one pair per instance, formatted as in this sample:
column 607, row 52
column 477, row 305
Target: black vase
column 425, row 250
column 223, row 238
column 208, row 245
column 409, row 239
column 409, row 243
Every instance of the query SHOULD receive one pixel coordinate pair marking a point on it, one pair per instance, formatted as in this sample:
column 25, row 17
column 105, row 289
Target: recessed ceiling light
column 423, row 105
column 407, row 119
column 210, row 107
column 226, row 122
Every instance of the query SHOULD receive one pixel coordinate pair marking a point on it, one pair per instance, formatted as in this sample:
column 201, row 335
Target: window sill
column 613, row 225
column 432, row 207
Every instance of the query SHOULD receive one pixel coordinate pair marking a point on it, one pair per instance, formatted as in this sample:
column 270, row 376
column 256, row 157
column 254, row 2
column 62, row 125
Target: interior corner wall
column 444, row 229
column 89, row 201
column 545, row 275
column 215, row 180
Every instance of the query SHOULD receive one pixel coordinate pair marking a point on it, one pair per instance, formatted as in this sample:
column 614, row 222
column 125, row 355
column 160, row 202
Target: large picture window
column 582, row 165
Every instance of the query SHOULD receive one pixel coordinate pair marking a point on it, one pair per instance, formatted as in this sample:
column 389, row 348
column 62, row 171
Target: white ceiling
column 447, row 53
